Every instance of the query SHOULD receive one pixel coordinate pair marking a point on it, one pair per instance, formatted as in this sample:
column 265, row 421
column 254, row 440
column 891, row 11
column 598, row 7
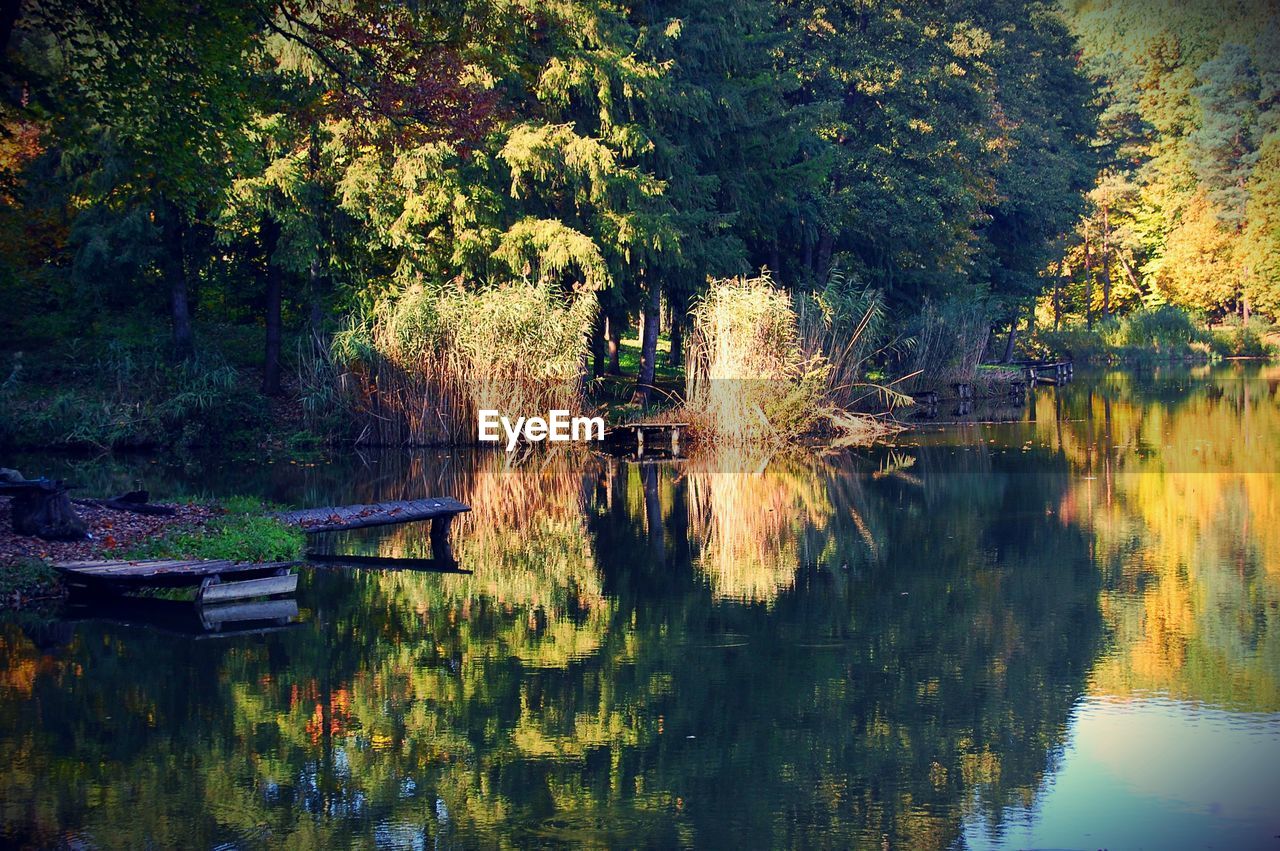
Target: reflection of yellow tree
column 749, row 512
column 1184, row 504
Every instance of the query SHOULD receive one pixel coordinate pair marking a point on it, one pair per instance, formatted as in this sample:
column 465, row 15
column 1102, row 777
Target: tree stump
column 41, row 508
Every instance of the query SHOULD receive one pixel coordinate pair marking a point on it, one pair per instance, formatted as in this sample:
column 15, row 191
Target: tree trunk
column 1106, row 261
column 613, row 325
column 826, row 245
column 598, row 331
column 315, row 279
column 1064, row 271
column 8, row 18
column 176, row 272
column 269, row 232
column 45, row 511
column 648, row 344
column 315, row 310
column 677, row 340
column 1013, row 337
column 1088, row 278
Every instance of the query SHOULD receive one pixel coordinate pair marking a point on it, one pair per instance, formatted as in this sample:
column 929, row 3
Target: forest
column 357, row 219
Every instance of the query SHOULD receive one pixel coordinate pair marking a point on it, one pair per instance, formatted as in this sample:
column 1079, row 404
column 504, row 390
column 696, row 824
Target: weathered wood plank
column 94, row 563
column 162, row 572
column 260, row 610
column 244, row 589
column 338, row 518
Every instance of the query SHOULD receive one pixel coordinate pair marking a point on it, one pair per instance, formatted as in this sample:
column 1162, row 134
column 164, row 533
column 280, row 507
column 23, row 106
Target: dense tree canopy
column 292, row 163
column 1184, row 210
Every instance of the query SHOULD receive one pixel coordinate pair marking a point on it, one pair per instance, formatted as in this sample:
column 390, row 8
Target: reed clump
column 764, row 367
column 421, row 364
column 948, row 341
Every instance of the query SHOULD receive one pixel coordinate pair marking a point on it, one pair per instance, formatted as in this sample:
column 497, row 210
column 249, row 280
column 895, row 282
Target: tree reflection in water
column 861, row 649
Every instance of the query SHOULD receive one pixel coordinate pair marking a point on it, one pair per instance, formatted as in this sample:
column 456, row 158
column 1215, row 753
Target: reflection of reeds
column 749, row 515
column 526, row 542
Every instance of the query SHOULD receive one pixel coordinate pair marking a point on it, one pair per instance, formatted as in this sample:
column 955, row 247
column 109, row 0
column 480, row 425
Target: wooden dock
column 651, row 435
column 215, row 581
column 439, row 510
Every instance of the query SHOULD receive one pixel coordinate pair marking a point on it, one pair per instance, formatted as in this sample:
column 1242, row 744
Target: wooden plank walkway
column 169, row 572
column 216, row 580
column 440, row 510
column 650, row 435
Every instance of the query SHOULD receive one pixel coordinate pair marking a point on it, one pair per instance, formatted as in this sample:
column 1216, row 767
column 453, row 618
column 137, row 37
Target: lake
column 1059, row 632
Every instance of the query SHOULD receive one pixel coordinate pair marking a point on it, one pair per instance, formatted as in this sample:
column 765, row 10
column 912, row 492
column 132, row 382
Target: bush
column 425, row 361
column 131, row 395
column 1149, row 333
column 1237, row 339
column 1164, row 329
column 754, row 376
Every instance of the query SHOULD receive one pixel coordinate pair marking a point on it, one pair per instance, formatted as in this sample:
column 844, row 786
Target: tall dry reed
column 766, row 368
column 949, row 339
column 424, row 362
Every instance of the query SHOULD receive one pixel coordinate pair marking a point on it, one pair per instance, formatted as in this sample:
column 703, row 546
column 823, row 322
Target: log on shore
column 343, row 517
column 134, row 502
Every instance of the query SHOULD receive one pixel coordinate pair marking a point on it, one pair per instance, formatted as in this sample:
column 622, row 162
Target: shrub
column 1237, row 339
column 131, row 395
column 948, row 339
column 1149, row 333
column 1160, row 329
column 754, row 376
column 425, row 361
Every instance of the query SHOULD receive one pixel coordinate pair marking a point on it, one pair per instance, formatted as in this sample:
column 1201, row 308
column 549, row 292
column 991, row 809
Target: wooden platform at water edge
column 440, row 510
column 648, row 436
column 215, row 581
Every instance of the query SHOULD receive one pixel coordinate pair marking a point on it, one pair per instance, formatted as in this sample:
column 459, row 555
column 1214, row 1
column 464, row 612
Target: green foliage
column 243, row 534
column 25, row 580
column 1185, row 212
column 1160, row 328
column 130, row 395
column 1164, row 332
column 1237, row 339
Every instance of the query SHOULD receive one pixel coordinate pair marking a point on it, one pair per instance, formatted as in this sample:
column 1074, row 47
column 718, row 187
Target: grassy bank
column 1159, row 334
column 245, row 531
column 236, row 529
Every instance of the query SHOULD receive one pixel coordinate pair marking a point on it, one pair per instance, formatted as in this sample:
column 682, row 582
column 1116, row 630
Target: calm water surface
column 1060, row 633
